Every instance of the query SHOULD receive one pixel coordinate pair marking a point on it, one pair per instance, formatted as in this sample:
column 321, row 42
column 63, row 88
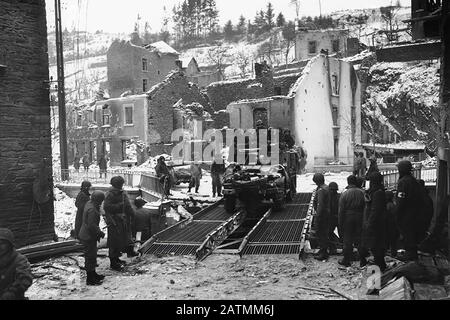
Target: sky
column 119, row 16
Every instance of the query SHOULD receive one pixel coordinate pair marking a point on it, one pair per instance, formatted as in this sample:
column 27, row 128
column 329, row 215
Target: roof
column 404, row 145
column 186, row 61
column 162, row 48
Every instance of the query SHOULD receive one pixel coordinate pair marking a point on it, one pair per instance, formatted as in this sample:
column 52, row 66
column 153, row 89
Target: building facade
column 26, row 203
column 310, row 43
column 136, row 69
column 322, row 111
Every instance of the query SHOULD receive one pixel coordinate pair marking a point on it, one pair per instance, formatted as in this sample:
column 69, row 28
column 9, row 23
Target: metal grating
column 194, row 232
column 272, row 249
column 172, row 249
column 278, row 232
column 292, row 212
column 302, row 198
column 215, row 214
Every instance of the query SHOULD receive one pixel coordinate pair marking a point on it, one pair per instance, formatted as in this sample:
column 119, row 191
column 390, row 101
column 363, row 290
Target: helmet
column 7, row 235
column 352, row 180
column 319, row 178
column 98, row 197
column 333, row 186
column 139, row 202
column 405, row 166
column 117, row 182
column 85, row 185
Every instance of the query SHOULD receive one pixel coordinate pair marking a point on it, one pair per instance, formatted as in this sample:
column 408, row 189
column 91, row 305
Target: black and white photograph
column 224, row 156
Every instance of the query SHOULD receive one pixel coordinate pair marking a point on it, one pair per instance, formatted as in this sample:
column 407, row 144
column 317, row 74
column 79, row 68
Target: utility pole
column 442, row 190
column 61, row 94
column 320, row 8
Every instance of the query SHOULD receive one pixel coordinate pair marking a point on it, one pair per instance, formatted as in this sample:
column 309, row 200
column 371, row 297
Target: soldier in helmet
column 119, row 215
column 409, row 206
column 334, row 209
column 322, row 207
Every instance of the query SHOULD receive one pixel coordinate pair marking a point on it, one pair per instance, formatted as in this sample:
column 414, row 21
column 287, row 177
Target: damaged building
column 148, row 120
column 26, row 202
column 322, row 111
column 136, row 69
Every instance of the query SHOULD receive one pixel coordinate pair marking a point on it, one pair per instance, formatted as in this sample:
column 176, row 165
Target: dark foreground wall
column 25, row 141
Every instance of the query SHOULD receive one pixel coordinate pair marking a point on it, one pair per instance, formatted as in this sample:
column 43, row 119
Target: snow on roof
column 162, row 48
column 306, row 71
column 360, row 56
column 404, row 145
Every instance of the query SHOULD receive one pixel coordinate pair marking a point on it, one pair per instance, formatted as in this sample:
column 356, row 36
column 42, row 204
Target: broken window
column 128, row 109
column 335, row 44
column 278, row 91
column 335, row 115
column 144, row 65
column 79, row 119
column 335, row 84
column 312, row 47
column 106, row 116
column 144, row 85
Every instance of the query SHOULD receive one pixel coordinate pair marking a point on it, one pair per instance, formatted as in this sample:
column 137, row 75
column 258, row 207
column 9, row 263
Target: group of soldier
column 122, row 221
column 371, row 218
column 102, row 163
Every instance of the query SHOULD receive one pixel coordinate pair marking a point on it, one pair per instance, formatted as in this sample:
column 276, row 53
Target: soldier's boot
column 115, row 264
column 131, row 253
column 92, row 280
column 99, row 276
column 344, row 262
column 322, row 255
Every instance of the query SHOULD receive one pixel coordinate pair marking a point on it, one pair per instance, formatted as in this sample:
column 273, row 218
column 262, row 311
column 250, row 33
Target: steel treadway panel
column 253, row 249
column 215, row 214
column 278, row 232
column 172, row 249
column 194, row 232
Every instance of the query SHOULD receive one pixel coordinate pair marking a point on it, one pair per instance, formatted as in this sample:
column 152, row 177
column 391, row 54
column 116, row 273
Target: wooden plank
column 399, row 289
column 47, row 247
column 53, row 252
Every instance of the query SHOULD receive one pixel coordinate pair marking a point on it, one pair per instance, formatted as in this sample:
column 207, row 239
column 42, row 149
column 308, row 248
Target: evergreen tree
column 281, row 21
column 269, row 15
column 241, row 25
column 228, row 30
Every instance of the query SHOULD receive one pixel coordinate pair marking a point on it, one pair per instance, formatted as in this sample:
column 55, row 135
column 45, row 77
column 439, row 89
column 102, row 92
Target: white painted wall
column 311, row 110
column 324, row 41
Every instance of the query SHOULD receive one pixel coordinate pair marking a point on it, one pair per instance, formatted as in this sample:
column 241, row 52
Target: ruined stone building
column 322, row 111
column 137, row 69
column 310, row 43
column 26, row 204
column 201, row 76
column 109, row 126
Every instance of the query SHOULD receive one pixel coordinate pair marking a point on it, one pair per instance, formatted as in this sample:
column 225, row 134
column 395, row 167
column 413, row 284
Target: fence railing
column 132, row 178
column 151, row 183
column 391, row 176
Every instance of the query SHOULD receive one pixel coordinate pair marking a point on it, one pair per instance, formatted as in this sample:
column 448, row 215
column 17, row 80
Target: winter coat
column 90, row 229
column 372, row 169
column 162, row 170
column 375, row 219
column 410, row 203
column 82, row 198
column 351, row 202
column 217, row 169
column 119, row 216
column 86, row 161
column 102, row 163
column 15, row 272
column 322, row 206
column 196, row 171
column 76, row 162
column 142, row 222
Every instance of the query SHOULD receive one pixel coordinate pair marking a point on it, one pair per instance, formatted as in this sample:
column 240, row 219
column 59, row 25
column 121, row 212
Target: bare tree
column 242, row 60
column 289, row 37
column 218, row 56
column 296, row 4
column 389, row 15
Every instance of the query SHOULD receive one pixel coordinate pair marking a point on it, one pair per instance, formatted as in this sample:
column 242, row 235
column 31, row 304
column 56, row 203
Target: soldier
column 15, row 270
column 408, row 211
column 217, row 171
column 374, row 223
column 118, row 213
column 103, row 165
column 350, row 219
column 163, row 173
column 196, row 176
column 80, row 202
column 142, row 221
column 392, row 229
column 90, row 234
column 86, row 162
column 334, row 209
column 76, row 162
column 427, row 212
column 322, row 208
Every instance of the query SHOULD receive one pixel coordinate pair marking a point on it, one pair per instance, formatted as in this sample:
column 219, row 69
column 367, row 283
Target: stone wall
column 160, row 109
column 410, row 52
column 25, row 141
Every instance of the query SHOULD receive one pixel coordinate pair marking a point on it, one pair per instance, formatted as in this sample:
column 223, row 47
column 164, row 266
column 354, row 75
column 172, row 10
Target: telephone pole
column 61, row 93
